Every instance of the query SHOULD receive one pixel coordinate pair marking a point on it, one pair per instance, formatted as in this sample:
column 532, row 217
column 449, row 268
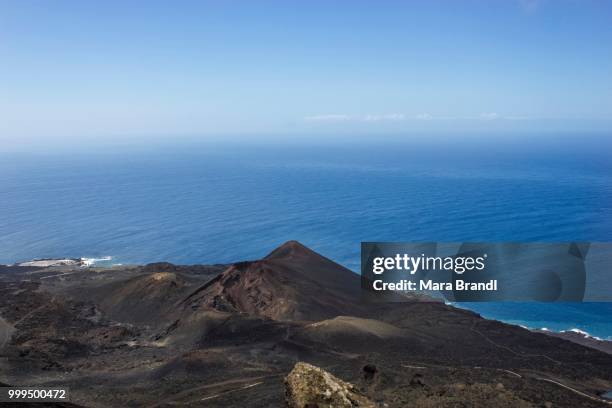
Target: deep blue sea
column 213, row 203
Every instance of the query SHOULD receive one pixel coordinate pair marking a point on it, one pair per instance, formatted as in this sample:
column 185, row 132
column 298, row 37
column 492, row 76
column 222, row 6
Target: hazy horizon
column 86, row 73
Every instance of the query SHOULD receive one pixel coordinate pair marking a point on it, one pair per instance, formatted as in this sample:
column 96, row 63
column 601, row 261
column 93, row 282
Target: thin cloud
column 401, row 117
column 370, row 117
column 423, row 116
column 490, row 116
column 497, row 116
column 328, row 118
column 384, row 117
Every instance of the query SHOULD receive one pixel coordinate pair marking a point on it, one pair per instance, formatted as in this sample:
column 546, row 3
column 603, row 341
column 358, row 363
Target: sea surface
column 201, row 202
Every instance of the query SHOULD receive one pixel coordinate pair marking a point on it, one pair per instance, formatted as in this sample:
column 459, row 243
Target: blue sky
column 90, row 70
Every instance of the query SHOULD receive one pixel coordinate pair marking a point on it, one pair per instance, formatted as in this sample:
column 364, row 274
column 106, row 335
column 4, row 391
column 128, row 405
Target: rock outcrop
column 308, row 386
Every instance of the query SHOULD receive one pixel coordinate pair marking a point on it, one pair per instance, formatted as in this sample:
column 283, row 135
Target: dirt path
column 515, row 374
column 59, row 274
column 501, row 346
column 240, row 382
column 244, row 387
column 574, row 390
column 31, row 312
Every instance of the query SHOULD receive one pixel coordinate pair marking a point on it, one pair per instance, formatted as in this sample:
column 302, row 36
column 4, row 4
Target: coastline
column 66, row 261
column 574, row 334
column 274, row 309
column 573, row 325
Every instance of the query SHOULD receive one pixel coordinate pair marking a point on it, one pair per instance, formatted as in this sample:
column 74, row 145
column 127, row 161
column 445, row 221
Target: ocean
column 199, row 202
